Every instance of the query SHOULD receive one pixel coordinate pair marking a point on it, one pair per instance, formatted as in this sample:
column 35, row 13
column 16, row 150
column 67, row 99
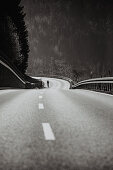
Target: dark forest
column 73, row 38
column 13, row 34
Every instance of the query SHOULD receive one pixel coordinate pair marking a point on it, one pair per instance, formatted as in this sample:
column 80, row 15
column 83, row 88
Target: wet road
column 56, row 129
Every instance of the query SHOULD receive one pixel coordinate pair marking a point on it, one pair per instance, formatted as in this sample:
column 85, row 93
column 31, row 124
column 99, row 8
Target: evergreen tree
column 14, row 34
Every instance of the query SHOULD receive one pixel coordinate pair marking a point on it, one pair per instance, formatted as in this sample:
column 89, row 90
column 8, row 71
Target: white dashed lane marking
column 48, row 133
column 40, row 97
column 40, row 106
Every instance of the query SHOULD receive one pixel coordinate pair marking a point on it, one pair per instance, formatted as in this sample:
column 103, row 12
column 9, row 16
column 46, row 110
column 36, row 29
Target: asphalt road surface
column 56, row 129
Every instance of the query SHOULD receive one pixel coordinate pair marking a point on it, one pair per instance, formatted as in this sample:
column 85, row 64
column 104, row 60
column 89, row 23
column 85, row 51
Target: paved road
column 56, row 129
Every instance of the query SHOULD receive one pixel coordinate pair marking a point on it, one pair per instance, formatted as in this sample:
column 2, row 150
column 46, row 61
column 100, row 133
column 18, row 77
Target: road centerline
column 48, row 133
column 40, row 97
column 40, row 106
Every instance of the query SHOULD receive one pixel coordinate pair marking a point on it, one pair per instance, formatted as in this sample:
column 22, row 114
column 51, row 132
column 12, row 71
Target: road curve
column 55, row 83
column 56, row 129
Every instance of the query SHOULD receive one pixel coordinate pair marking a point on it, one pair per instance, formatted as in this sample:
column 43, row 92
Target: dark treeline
column 13, row 34
column 78, row 32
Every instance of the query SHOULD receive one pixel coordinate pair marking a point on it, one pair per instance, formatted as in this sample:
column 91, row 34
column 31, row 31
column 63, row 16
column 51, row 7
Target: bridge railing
column 98, row 84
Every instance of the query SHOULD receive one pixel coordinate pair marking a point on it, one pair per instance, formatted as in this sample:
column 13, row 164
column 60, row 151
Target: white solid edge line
column 41, row 106
column 48, row 133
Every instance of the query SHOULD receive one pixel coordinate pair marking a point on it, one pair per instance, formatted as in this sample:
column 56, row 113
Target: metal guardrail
column 98, row 84
column 24, row 81
column 7, row 82
column 9, row 68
